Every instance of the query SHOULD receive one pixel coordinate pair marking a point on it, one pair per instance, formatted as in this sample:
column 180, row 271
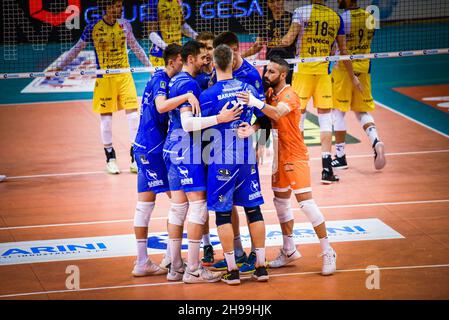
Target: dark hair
column 171, row 52
column 229, row 38
column 191, row 48
column 284, row 64
column 205, row 36
column 222, row 56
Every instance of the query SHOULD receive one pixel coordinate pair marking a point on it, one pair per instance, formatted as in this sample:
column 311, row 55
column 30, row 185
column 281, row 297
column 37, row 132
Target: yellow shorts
column 114, row 93
column 318, row 86
column 347, row 97
column 157, row 62
column 292, row 176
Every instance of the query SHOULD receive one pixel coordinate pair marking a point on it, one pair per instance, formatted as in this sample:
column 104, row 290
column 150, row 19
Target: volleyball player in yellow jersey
column 317, row 28
column 110, row 37
column 358, row 41
column 166, row 25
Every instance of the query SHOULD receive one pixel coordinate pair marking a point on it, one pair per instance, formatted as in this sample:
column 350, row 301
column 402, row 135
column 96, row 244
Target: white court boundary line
column 180, row 282
column 240, row 213
column 49, row 175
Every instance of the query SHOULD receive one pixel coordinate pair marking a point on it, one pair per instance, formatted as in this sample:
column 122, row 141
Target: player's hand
column 243, row 97
column 245, row 130
column 357, row 84
column 193, row 101
column 228, row 115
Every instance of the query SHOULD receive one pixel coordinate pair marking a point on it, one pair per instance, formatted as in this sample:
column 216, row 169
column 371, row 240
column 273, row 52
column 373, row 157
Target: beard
column 272, row 84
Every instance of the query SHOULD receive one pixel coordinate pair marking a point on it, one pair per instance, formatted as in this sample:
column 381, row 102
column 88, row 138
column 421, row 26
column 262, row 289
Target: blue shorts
column 233, row 184
column 152, row 173
column 185, row 176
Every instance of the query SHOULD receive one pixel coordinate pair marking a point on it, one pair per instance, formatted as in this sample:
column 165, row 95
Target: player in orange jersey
column 291, row 170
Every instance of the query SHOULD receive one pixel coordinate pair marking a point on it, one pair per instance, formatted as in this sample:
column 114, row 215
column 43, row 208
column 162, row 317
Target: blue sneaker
column 249, row 266
column 223, row 266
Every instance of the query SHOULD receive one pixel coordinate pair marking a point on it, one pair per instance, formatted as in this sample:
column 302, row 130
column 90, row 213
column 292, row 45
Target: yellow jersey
column 320, row 26
column 110, row 43
column 358, row 37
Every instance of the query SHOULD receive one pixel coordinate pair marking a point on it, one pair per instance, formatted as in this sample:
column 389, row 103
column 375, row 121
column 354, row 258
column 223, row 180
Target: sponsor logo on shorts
column 183, row 171
column 253, row 169
column 154, row 181
column 221, row 198
column 256, row 191
column 143, row 160
column 223, row 175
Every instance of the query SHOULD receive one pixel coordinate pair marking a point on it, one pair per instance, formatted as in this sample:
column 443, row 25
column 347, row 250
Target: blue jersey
column 228, row 147
column 180, row 84
column 203, row 80
column 153, row 125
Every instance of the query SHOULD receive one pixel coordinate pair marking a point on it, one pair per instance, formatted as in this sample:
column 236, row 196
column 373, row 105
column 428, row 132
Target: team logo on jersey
column 257, row 84
column 163, row 85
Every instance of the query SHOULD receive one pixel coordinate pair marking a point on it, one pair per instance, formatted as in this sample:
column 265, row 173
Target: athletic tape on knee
column 133, row 123
column 198, row 212
column 106, row 130
column 325, row 121
column 312, row 212
column 283, row 209
column 222, row 218
column 364, row 118
column 338, row 118
column 177, row 213
column 253, row 214
column 142, row 215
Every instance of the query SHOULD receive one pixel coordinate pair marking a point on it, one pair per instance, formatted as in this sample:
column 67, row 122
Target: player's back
column 320, row 26
column 153, row 125
column 248, row 74
column 289, row 143
column 358, row 37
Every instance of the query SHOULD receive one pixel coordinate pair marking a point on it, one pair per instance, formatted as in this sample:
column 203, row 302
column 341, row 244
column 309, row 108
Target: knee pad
column 198, row 213
column 142, row 214
column 283, row 209
column 253, row 214
column 312, row 212
column 364, row 118
column 325, row 121
column 177, row 213
column 106, row 130
column 222, row 218
column 338, row 118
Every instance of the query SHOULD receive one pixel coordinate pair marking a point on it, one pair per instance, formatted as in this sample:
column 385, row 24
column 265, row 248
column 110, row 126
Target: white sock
column 289, row 243
column 230, row 260
column 168, row 251
column 324, row 242
column 238, row 248
column 206, row 239
column 133, row 123
column 260, row 257
column 340, row 148
column 326, row 155
column 175, row 250
column 372, row 134
column 142, row 254
column 193, row 258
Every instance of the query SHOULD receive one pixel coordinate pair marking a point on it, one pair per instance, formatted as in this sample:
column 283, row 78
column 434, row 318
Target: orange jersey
column 288, row 144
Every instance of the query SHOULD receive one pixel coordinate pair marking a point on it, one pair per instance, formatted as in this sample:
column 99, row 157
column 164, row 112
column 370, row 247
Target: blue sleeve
column 160, row 88
column 86, row 36
column 190, row 86
column 341, row 30
column 152, row 11
column 257, row 84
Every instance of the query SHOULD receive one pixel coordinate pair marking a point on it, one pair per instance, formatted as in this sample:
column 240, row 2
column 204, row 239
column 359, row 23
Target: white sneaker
column 379, row 156
column 200, row 275
column 329, row 262
column 147, row 269
column 165, row 263
column 176, row 275
column 2, row 177
column 133, row 167
column 284, row 258
column 112, row 167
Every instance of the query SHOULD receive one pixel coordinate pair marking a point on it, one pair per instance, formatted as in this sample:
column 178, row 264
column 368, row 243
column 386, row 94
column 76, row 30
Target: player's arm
column 272, row 112
column 187, row 30
column 70, row 56
column 291, row 35
column 135, row 46
column 255, row 48
column 191, row 123
column 165, row 105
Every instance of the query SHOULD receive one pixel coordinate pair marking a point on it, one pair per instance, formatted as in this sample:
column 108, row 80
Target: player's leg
column 127, row 99
column 316, row 218
column 208, row 250
column 106, row 137
column 339, row 163
column 363, row 105
column 256, row 226
column 322, row 99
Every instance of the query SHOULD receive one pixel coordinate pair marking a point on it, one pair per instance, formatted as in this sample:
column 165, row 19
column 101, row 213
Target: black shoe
column 339, row 163
column 231, row 277
column 261, row 274
column 327, row 176
column 208, row 258
column 109, row 155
